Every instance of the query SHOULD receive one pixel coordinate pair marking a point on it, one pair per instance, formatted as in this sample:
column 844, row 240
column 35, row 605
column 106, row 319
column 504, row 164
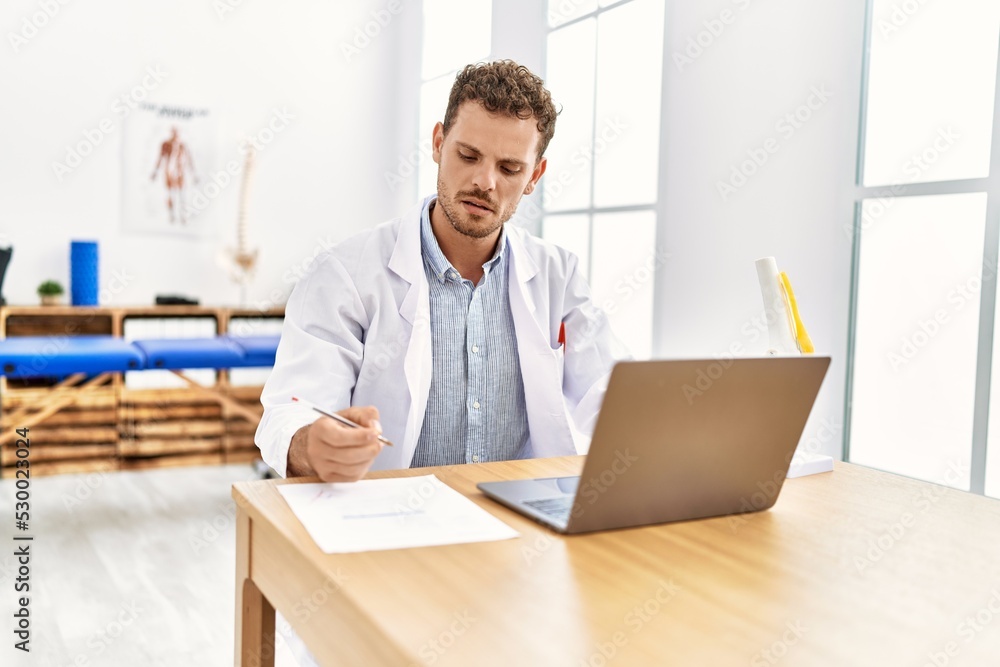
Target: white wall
column 318, row 181
column 761, row 66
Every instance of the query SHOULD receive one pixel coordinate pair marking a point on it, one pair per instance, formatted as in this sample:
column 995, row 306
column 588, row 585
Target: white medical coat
column 357, row 332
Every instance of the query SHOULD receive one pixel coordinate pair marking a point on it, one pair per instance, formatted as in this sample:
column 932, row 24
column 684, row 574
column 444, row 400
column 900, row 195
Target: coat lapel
column 406, row 261
column 541, row 364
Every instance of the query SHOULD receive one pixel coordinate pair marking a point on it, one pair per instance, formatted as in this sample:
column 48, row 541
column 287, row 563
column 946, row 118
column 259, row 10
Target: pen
column 343, row 420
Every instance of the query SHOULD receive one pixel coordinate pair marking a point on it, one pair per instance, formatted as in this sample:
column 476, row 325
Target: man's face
column 485, row 164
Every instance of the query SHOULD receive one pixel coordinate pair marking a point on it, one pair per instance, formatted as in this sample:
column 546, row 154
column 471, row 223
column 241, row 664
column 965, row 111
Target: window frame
column 657, row 205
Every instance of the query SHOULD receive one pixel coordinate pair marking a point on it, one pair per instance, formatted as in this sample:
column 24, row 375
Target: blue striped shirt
column 475, row 407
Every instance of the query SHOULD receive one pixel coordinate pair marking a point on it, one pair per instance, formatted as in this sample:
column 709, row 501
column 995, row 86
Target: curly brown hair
column 503, row 86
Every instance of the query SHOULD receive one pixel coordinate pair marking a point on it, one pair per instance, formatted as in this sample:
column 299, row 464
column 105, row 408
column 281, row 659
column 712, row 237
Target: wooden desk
column 854, row 567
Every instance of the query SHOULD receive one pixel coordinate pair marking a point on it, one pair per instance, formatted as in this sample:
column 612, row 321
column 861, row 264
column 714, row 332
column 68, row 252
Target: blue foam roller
column 83, row 272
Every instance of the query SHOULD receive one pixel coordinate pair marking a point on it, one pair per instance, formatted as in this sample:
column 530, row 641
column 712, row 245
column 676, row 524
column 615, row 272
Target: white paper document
column 398, row 513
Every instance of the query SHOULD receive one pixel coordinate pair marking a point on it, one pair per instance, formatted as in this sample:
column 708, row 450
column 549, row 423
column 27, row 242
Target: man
column 460, row 339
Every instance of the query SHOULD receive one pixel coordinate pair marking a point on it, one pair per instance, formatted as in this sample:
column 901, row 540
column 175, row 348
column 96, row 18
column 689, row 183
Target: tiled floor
column 127, row 568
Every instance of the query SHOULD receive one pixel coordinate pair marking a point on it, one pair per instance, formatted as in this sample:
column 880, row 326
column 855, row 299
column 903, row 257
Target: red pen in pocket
column 562, row 335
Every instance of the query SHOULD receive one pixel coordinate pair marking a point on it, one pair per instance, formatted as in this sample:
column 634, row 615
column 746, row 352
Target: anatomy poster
column 167, row 152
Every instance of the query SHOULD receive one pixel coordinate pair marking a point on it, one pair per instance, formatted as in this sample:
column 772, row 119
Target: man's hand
column 335, row 452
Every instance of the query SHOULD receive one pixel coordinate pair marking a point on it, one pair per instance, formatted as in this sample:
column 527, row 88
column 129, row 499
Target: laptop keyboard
column 557, row 508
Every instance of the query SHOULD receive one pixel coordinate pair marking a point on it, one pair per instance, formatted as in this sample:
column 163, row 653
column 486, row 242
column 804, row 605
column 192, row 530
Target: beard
column 474, row 226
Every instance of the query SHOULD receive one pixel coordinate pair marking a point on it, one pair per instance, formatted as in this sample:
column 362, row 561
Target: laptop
column 678, row 440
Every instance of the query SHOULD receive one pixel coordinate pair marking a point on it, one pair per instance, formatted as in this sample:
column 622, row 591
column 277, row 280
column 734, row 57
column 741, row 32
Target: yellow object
column 802, row 339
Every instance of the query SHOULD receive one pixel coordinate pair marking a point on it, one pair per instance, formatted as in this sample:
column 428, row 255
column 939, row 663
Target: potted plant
column 50, row 292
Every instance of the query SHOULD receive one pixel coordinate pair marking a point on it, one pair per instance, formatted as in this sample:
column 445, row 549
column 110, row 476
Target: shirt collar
column 433, row 254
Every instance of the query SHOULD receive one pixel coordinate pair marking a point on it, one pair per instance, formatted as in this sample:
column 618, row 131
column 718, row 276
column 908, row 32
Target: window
column 925, row 235
column 604, row 65
column 917, row 323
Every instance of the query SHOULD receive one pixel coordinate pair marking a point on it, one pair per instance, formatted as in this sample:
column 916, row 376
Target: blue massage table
column 72, row 359
column 259, row 351
column 55, row 356
column 59, row 356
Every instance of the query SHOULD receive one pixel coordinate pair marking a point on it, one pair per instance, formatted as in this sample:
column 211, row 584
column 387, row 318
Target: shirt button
column 453, row 275
column 475, row 458
column 476, row 405
column 475, row 348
